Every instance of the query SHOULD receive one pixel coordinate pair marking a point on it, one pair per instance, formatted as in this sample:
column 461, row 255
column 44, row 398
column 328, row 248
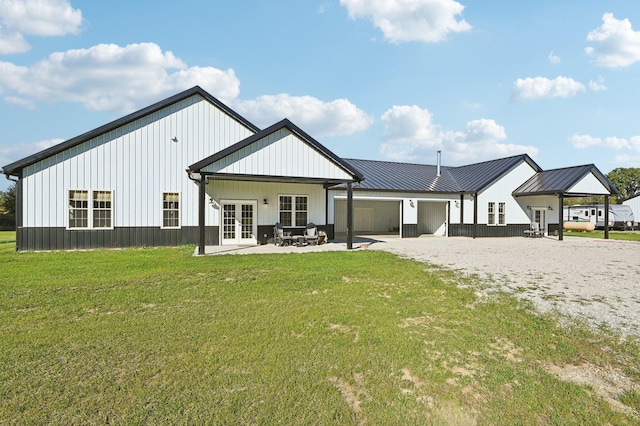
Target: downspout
column 201, row 215
column 18, row 212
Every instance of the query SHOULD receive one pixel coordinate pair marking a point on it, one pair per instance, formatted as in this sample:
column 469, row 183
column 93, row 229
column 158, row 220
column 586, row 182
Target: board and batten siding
column 230, row 190
column 588, row 185
column 500, row 192
column 138, row 162
column 281, row 153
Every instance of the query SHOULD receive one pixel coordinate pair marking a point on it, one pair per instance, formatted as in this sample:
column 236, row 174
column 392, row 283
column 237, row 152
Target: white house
column 189, row 170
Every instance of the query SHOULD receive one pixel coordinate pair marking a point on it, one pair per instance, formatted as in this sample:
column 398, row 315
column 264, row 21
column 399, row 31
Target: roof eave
column 196, row 90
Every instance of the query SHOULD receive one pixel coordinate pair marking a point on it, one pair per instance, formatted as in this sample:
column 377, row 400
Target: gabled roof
column 15, row 167
column 388, row 175
column 385, row 175
column 478, row 176
column 283, row 124
column 559, row 181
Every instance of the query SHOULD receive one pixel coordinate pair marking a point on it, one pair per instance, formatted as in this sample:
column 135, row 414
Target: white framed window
column 96, row 214
column 491, row 213
column 78, row 208
column 170, row 210
column 293, row 210
column 502, row 214
column 102, row 209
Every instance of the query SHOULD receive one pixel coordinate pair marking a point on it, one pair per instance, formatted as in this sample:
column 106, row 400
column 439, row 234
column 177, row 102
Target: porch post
column 606, row 217
column 349, row 215
column 201, row 203
column 560, row 217
column 475, row 214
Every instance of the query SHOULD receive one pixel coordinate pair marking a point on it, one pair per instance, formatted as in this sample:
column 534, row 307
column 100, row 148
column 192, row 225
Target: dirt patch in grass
column 608, row 383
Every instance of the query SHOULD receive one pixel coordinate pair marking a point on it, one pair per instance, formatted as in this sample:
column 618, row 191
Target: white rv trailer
column 620, row 216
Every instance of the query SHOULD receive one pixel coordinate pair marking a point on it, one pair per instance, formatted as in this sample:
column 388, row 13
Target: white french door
column 539, row 215
column 239, row 225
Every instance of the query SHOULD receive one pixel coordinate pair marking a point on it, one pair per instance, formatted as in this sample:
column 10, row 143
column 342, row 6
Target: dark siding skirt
column 28, row 239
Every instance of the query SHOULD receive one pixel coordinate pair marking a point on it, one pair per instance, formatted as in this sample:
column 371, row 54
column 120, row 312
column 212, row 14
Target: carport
column 370, row 216
column 558, row 184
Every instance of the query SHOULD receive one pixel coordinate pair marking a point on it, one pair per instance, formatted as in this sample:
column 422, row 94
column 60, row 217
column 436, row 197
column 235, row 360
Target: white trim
column 254, row 229
column 162, row 210
column 293, row 209
column 90, row 210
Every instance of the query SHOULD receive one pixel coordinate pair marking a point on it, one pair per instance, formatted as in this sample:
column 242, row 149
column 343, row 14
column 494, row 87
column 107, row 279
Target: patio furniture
column 311, row 234
column 280, row 236
column 299, row 240
column 534, row 231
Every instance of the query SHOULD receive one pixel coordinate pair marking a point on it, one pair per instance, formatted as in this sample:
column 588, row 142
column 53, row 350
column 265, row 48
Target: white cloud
column 618, row 45
column 554, row 59
column 597, row 86
column 35, row 17
column 541, row 87
column 411, row 135
column 426, row 21
column 318, row 118
column 9, row 154
column 612, row 142
column 12, row 42
column 108, row 77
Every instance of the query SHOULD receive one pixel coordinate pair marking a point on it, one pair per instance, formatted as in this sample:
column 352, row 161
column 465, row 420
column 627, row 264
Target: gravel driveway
column 591, row 279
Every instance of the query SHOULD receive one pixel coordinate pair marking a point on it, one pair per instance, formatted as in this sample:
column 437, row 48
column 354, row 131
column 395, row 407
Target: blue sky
column 373, row 79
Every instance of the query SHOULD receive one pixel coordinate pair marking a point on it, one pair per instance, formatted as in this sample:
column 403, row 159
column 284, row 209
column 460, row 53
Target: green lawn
column 156, row 336
column 7, row 237
column 613, row 235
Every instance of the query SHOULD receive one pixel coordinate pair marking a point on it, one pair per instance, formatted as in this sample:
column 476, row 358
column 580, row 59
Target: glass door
column 239, row 224
column 539, row 216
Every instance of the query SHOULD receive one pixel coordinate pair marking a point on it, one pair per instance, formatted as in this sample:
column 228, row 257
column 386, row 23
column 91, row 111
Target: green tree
column 8, row 208
column 627, row 180
column 8, row 201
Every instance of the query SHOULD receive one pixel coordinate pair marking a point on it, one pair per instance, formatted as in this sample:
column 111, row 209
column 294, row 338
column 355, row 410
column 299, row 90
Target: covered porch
column 280, row 174
column 544, row 194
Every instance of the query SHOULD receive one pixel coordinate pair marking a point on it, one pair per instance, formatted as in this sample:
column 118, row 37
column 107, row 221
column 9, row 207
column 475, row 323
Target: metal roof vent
column 439, row 160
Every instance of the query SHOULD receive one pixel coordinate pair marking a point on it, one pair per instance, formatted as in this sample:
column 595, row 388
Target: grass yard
column 613, row 235
column 156, row 336
column 7, row 237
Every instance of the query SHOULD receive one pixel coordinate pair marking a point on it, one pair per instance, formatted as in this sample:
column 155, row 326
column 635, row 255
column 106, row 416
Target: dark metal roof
column 15, row 167
column 357, row 176
column 476, row 177
column 559, row 181
column 385, row 175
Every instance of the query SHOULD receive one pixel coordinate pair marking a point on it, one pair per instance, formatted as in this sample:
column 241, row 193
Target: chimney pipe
column 439, row 163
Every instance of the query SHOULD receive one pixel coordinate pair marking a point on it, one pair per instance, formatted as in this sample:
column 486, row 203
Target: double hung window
column 498, row 217
column 94, row 213
column 293, row 210
column 170, row 210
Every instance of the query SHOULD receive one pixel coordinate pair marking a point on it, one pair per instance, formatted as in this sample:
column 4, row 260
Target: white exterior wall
column 221, row 190
column 549, row 203
column 588, row 185
column 138, row 162
column 500, row 192
column 281, row 153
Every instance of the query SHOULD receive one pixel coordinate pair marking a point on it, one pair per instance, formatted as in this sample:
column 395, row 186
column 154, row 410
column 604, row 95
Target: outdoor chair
column 280, row 237
column 534, row 231
column 311, row 234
